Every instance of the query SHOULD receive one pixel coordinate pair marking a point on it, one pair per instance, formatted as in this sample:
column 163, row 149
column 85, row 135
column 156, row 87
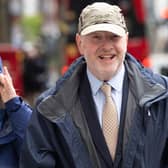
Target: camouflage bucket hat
column 102, row 16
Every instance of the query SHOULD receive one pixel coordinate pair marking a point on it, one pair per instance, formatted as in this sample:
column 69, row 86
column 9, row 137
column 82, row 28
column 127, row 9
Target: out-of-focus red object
column 139, row 47
column 164, row 13
column 13, row 59
column 139, row 9
column 64, row 69
column 71, row 53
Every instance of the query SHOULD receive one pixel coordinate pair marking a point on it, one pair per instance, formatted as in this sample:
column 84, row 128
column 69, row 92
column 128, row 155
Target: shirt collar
column 116, row 82
column 94, row 82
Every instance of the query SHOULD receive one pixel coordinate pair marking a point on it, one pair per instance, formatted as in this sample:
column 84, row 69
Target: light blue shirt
column 116, row 83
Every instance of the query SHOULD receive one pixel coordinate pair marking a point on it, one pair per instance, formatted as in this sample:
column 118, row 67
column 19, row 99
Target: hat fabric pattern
column 102, row 16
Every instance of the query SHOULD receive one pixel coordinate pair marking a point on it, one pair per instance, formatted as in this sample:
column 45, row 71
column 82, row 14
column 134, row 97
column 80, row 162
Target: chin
column 105, row 76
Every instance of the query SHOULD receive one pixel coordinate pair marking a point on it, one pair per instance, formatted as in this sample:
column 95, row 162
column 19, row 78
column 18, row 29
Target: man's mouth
column 106, row 57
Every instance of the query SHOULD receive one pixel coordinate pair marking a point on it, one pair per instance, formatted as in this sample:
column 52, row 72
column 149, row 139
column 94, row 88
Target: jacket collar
column 145, row 86
column 65, row 93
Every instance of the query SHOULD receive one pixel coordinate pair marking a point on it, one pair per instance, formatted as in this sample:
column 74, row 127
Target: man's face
column 104, row 52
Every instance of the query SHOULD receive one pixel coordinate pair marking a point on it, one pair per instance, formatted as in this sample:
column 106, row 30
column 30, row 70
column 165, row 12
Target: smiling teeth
column 107, row 56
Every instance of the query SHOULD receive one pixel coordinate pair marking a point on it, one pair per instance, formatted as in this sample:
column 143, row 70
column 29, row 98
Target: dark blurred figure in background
column 14, row 116
column 35, row 74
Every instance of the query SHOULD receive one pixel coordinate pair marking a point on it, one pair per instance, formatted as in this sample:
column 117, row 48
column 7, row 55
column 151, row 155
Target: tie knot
column 106, row 88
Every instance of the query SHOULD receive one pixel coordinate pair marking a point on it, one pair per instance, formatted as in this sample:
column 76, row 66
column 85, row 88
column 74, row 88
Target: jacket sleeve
column 37, row 150
column 19, row 115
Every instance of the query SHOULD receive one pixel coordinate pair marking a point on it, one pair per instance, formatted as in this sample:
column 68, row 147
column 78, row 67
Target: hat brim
column 104, row 27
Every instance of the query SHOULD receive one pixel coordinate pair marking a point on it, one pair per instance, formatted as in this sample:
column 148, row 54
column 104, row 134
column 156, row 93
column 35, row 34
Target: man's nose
column 107, row 44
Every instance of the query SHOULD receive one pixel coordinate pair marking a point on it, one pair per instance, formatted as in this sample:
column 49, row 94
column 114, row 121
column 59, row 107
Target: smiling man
column 106, row 111
column 102, row 39
column 104, row 52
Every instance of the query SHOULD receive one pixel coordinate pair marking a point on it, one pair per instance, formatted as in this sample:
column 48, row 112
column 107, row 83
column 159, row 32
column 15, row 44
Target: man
column 14, row 117
column 68, row 127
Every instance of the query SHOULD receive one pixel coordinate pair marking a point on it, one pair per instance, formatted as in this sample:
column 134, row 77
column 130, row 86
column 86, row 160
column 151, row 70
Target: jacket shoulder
column 148, row 73
column 53, row 90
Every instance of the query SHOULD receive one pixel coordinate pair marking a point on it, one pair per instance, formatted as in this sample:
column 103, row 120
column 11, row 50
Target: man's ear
column 79, row 43
column 127, row 36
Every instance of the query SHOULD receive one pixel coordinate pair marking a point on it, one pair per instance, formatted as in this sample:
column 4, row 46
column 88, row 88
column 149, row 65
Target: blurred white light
column 30, row 7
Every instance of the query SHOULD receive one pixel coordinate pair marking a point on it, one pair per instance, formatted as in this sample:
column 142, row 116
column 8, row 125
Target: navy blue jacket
column 13, row 122
column 58, row 134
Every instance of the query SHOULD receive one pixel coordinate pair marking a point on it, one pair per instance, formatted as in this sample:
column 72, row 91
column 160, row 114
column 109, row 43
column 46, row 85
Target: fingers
column 7, row 90
column 5, row 78
column 1, row 80
column 6, row 72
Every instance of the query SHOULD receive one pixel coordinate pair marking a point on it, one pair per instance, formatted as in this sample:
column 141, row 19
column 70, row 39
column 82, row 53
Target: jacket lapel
column 119, row 152
column 93, row 123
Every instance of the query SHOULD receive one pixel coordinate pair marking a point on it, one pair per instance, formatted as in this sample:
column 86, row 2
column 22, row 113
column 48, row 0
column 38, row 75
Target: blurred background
column 37, row 38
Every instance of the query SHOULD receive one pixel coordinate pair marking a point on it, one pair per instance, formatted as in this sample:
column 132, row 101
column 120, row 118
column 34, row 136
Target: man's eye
column 97, row 37
column 114, row 36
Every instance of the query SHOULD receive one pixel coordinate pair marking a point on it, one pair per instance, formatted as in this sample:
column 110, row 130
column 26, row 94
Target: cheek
column 122, row 47
column 87, row 49
column 125, row 46
column 125, row 43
